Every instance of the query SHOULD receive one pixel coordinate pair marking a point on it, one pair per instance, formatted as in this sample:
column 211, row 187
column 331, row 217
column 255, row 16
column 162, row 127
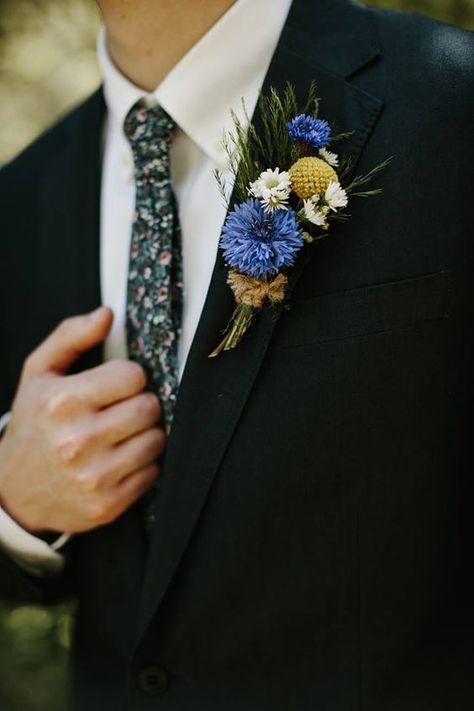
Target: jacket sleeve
column 20, row 587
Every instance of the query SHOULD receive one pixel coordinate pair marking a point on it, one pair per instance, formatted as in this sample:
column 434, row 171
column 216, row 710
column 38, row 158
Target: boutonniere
column 283, row 207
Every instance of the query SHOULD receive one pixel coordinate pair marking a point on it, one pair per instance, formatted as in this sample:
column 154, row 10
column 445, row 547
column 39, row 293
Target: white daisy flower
column 335, row 196
column 314, row 212
column 274, row 200
column 271, row 180
column 272, row 188
column 331, row 158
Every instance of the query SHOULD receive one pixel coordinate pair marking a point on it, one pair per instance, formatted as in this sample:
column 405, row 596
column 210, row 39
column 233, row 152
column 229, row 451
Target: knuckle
column 87, row 482
column 104, row 473
column 46, row 395
column 70, row 448
column 60, row 403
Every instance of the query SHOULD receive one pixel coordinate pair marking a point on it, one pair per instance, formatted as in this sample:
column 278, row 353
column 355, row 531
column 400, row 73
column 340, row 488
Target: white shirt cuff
column 29, row 552
column 4, row 420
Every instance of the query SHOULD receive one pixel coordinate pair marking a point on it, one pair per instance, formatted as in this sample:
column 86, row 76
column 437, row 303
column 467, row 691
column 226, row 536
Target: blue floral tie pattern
column 155, row 283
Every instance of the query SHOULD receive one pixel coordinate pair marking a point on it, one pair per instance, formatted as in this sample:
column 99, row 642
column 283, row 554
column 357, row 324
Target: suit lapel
column 213, row 392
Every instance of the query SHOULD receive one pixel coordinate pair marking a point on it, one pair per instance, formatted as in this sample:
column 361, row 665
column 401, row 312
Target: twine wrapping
column 250, row 294
column 250, row 291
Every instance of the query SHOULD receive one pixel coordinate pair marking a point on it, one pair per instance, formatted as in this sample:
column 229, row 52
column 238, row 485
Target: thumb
column 65, row 344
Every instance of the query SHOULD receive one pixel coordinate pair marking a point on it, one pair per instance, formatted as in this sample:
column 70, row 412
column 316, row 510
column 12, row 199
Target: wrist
column 6, row 501
column 9, row 509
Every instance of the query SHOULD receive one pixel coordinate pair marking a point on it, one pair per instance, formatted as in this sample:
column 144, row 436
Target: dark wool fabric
column 315, row 537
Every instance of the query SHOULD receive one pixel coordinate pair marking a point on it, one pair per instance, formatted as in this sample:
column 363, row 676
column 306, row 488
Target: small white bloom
column 272, row 188
column 313, row 212
column 274, row 200
column 335, row 196
column 254, row 189
column 274, row 180
column 331, row 158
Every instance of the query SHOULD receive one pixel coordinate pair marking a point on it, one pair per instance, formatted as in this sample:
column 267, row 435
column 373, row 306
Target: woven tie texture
column 155, row 283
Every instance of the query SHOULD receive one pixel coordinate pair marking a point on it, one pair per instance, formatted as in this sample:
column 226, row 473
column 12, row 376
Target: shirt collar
column 227, row 64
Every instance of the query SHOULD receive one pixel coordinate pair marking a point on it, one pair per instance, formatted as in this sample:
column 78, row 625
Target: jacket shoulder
column 427, row 42
column 29, row 164
column 428, row 65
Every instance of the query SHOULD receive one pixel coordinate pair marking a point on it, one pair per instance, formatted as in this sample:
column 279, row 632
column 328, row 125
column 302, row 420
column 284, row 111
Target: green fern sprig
column 250, row 152
column 312, row 102
column 360, row 180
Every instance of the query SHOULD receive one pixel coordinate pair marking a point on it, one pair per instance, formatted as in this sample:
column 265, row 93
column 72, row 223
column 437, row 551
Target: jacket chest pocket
column 355, row 313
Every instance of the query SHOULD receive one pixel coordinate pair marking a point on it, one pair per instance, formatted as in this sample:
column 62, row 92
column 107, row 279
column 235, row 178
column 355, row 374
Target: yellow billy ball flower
column 311, row 176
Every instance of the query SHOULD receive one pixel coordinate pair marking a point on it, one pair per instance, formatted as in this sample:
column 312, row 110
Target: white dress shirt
column 228, row 64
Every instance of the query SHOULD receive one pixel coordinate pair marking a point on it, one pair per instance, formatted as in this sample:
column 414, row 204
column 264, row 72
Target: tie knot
column 148, row 129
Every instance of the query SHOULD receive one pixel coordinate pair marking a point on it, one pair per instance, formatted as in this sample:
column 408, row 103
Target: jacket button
column 152, row 680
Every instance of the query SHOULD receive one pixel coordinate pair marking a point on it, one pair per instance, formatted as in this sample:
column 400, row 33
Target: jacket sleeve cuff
column 29, row 552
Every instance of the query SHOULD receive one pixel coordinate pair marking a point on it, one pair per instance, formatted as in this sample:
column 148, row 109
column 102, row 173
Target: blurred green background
column 48, row 65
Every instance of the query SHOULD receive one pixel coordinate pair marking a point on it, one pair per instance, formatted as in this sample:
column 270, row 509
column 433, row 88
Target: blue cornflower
column 259, row 243
column 307, row 129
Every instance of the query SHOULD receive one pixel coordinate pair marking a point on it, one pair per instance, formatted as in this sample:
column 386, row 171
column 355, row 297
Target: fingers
column 106, row 508
column 72, row 337
column 133, row 454
column 135, row 486
column 108, row 383
column 125, row 419
column 125, row 494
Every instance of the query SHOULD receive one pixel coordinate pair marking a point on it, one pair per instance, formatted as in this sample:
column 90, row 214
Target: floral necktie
column 155, row 283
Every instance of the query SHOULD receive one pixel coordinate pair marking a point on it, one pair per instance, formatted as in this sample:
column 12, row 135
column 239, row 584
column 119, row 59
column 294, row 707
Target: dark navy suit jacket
column 314, row 542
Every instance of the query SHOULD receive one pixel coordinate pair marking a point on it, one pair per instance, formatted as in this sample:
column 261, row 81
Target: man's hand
column 79, row 449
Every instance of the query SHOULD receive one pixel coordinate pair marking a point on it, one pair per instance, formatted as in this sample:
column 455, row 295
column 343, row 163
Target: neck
column 146, row 38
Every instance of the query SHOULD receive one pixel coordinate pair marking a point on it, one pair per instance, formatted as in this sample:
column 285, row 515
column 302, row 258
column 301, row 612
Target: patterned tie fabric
column 155, row 283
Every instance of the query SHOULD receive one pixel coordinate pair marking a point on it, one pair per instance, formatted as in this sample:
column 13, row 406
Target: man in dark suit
column 313, row 534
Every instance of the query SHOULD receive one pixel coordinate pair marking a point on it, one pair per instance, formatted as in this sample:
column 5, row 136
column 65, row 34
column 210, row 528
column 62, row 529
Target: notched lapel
column 213, row 393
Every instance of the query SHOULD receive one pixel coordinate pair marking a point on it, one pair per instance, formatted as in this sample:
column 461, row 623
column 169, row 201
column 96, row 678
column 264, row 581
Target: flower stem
column 239, row 324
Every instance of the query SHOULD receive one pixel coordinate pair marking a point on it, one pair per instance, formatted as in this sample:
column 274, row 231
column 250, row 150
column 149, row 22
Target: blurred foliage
column 457, row 12
column 34, row 644
column 47, row 65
